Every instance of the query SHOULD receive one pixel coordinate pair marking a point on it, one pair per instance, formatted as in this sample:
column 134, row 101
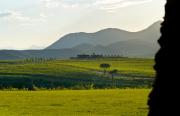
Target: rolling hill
column 106, row 37
column 113, row 41
column 107, row 41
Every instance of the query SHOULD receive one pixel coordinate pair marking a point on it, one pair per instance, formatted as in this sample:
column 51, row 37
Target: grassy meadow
column 75, row 87
column 114, row 102
column 75, row 74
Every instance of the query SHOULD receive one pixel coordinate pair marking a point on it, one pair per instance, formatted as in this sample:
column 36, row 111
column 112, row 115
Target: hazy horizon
column 38, row 23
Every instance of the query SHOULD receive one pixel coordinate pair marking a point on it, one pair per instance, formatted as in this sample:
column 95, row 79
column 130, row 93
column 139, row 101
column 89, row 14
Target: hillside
column 106, row 37
column 108, row 41
column 113, row 41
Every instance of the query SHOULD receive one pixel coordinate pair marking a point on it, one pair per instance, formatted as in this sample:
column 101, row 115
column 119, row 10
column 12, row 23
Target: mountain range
column 109, row 41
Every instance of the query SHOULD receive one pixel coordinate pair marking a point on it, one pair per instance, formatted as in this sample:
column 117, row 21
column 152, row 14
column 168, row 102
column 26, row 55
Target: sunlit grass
column 119, row 102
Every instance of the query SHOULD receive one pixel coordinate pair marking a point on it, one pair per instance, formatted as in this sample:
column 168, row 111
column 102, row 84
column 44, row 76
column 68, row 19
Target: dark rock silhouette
column 164, row 98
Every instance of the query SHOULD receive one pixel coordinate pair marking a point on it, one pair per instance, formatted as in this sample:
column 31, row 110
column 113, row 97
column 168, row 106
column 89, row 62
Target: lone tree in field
column 105, row 66
column 113, row 73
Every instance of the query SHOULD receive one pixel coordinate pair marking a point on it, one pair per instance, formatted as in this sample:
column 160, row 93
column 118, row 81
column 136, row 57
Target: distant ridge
column 106, row 41
column 106, row 36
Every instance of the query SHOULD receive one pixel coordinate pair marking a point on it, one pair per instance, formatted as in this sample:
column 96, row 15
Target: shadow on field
column 42, row 81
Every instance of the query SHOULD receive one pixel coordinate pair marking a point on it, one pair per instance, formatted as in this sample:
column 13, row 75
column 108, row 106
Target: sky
column 29, row 24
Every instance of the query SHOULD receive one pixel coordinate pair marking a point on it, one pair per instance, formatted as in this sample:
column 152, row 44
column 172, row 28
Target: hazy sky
column 38, row 23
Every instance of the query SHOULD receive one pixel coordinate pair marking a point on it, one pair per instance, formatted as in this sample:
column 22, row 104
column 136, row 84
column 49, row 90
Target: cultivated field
column 116, row 102
column 47, row 76
column 75, row 74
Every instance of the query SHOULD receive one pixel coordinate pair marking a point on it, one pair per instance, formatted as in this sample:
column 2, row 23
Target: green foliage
column 112, row 73
column 105, row 66
column 117, row 102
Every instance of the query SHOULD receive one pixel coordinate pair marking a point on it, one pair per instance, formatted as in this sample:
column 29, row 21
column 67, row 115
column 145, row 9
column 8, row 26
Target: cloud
column 20, row 18
column 4, row 14
column 17, row 15
column 69, row 5
column 106, row 5
column 59, row 3
column 10, row 14
column 113, row 5
column 43, row 15
column 50, row 3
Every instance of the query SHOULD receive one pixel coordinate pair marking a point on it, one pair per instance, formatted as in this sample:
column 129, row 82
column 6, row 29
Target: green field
column 50, row 76
column 75, row 74
column 116, row 102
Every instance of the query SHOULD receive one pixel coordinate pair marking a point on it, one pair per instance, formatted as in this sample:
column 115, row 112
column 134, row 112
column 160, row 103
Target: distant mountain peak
column 158, row 22
column 111, row 29
column 156, row 25
column 103, row 37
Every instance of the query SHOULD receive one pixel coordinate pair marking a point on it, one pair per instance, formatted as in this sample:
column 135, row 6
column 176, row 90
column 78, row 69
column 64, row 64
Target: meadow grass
column 76, row 73
column 114, row 102
column 128, row 66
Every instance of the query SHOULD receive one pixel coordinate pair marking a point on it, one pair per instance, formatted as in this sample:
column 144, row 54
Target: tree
column 105, row 66
column 113, row 73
